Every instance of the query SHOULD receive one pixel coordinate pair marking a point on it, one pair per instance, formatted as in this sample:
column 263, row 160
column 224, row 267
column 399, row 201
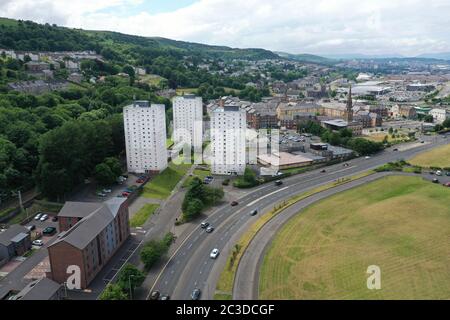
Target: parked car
column 49, row 231
column 165, row 297
column 447, row 173
column 439, row 173
column 366, row 157
column 346, row 164
column 154, row 295
column 38, row 243
column 55, row 218
column 44, row 217
column 435, row 180
column 234, row 203
column 204, row 225
column 38, row 216
column 209, row 229
column 323, row 171
column 106, row 190
column 101, row 194
column 278, row 183
column 446, row 184
column 31, row 227
column 140, row 181
column 195, row 295
column 214, row 253
column 395, row 149
column 125, row 194
column 253, row 212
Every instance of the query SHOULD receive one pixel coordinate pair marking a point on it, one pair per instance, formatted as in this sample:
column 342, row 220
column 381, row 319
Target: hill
column 308, row 58
column 27, row 35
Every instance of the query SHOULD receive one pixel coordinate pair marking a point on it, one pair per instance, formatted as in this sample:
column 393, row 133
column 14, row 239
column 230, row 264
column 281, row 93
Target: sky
column 327, row 27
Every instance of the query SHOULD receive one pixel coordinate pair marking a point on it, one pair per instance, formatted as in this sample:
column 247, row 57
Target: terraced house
column 91, row 242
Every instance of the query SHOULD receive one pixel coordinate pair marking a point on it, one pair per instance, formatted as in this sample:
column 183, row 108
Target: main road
column 191, row 267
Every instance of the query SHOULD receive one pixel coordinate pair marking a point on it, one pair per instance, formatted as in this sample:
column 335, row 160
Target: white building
column 145, row 137
column 188, row 121
column 228, row 139
column 440, row 115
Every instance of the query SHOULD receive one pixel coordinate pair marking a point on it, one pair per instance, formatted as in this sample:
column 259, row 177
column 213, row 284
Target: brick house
column 91, row 241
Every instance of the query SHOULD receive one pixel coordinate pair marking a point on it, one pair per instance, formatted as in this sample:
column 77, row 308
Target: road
column 190, row 266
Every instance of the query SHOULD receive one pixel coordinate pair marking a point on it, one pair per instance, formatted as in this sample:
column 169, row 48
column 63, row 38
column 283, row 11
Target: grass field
column 201, row 174
column 399, row 223
column 162, row 185
column 143, row 214
column 439, row 157
column 151, row 79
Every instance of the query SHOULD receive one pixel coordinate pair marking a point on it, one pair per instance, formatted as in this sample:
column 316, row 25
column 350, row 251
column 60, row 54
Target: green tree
column 130, row 275
column 104, row 175
column 113, row 292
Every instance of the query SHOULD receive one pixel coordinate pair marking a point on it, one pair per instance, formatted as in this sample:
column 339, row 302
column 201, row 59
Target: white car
column 439, row 173
column 214, row 253
column 44, row 217
column 107, row 190
column 38, row 243
column 38, row 216
column 367, row 157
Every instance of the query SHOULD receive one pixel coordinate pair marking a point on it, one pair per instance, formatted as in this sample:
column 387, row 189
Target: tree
column 104, row 175
column 446, row 123
column 113, row 292
column 115, row 166
column 152, row 252
column 130, row 275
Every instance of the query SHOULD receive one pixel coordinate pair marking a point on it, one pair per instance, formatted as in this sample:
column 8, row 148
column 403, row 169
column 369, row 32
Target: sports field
column 438, row 157
column 399, row 223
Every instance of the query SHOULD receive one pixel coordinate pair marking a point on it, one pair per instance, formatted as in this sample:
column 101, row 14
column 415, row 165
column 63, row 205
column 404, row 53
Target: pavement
column 190, row 267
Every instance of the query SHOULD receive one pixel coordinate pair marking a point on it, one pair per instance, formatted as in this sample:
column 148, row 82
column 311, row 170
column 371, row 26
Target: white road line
column 267, row 195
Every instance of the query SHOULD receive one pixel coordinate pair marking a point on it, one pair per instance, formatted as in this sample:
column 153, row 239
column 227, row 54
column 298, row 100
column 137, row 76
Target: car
column 38, row 243
column 49, row 231
column 44, row 217
column 214, row 253
column 323, row 171
column 140, row 181
column 431, row 172
column 106, row 190
column 210, row 177
column 366, row 157
column 204, row 225
column 395, row 149
column 38, row 216
column 165, row 297
column 195, row 295
column 346, row 164
column 253, row 212
column 278, row 183
column 439, row 173
column 55, row 218
column 101, row 194
column 154, row 295
column 209, row 229
column 447, row 173
column 234, row 203
column 31, row 227
column 435, row 180
column 422, row 141
column 446, row 184
column 125, row 194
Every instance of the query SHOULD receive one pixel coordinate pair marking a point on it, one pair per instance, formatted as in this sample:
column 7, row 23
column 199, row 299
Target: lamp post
column 131, row 290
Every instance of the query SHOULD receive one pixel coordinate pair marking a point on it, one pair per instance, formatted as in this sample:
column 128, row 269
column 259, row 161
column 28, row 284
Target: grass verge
column 143, row 214
column 163, row 184
column 226, row 280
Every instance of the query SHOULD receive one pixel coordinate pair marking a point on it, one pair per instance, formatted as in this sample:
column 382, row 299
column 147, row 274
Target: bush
column 155, row 250
column 226, row 182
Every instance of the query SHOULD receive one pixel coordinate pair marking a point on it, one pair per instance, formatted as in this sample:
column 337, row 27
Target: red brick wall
column 65, row 223
column 63, row 255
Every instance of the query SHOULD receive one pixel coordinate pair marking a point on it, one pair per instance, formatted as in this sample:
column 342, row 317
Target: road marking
column 267, row 195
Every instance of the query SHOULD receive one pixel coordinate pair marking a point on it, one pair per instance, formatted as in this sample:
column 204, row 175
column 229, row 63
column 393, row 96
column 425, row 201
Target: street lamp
column 129, row 282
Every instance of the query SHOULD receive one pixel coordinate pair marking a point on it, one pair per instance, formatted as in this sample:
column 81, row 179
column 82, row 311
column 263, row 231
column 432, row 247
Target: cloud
column 408, row 27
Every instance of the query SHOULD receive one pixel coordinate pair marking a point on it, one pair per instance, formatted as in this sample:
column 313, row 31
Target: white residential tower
column 228, row 140
column 188, row 121
column 145, row 137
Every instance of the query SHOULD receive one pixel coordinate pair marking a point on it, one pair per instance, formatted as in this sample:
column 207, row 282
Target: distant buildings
column 440, row 115
column 38, row 86
column 188, row 121
column 228, row 137
column 14, row 241
column 403, row 111
column 145, row 137
column 100, row 230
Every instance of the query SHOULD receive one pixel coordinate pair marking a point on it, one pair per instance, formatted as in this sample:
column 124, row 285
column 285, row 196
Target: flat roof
column 284, row 158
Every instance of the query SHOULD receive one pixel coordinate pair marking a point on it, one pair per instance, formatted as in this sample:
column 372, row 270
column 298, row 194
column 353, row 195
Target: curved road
column 190, row 266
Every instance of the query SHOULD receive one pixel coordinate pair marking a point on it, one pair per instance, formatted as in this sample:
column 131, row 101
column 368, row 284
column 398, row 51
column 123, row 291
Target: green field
column 201, row 174
column 143, row 214
column 399, row 223
column 162, row 185
column 439, row 157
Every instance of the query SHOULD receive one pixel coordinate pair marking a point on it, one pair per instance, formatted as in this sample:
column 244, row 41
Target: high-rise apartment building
column 228, row 139
column 145, row 137
column 188, row 121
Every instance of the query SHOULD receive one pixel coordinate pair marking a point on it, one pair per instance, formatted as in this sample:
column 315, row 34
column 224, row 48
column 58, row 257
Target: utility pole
column 19, row 193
